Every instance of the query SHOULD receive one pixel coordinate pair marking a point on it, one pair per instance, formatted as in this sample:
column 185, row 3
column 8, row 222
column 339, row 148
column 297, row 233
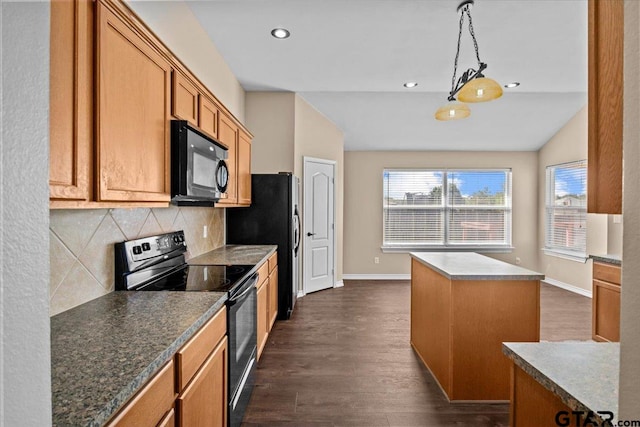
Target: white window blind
column 566, row 209
column 446, row 208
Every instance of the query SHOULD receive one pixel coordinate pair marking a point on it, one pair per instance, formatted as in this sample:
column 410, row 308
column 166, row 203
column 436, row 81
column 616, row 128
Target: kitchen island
column 463, row 307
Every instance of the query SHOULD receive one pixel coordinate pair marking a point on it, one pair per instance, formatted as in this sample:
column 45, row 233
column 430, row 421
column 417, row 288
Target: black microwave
column 199, row 174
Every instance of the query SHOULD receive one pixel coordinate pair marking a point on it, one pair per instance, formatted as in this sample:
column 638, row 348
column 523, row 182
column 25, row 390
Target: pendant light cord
column 473, row 35
column 455, row 63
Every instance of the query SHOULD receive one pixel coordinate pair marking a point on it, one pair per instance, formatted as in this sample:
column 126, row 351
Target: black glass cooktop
column 219, row 278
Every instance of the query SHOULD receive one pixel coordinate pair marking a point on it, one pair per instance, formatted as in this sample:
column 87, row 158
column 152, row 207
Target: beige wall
column 316, row 136
column 363, row 204
column 569, row 144
column 176, row 25
column 629, row 407
column 81, row 245
column 270, row 117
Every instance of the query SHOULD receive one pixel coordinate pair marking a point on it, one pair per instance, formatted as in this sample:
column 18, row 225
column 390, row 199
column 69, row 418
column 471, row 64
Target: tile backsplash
column 81, row 245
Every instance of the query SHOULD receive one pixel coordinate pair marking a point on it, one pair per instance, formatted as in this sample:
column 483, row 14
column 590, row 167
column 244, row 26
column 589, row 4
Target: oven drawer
column 193, row 354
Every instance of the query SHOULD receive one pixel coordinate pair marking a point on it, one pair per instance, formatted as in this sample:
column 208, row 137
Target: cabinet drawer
column 263, row 274
column 273, row 261
column 607, row 272
column 191, row 356
column 150, row 405
column 169, row 420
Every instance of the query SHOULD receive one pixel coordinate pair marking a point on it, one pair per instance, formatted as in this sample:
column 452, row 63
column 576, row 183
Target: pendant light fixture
column 472, row 86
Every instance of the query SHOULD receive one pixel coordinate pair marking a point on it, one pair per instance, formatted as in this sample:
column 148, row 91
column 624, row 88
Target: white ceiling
column 349, row 59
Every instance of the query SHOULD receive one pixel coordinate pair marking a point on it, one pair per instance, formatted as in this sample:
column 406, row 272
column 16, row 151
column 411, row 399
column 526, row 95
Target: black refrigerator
column 272, row 219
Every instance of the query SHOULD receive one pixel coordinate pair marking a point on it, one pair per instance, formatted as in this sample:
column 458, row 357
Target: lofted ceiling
column 350, row 58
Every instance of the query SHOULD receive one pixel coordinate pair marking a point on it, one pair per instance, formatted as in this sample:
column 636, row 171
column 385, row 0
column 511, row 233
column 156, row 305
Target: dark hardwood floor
column 344, row 359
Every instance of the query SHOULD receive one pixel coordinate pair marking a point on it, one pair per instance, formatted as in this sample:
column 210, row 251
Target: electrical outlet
column 204, row 232
column 376, row 260
column 518, row 260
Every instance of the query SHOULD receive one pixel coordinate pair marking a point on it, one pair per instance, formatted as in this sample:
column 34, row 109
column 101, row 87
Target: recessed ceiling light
column 512, row 85
column 410, row 84
column 280, row 33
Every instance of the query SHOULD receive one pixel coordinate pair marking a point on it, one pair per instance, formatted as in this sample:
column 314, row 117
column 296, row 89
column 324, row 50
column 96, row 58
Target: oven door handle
column 236, row 298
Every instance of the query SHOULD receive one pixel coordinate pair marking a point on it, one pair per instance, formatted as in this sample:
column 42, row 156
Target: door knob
column 311, row 234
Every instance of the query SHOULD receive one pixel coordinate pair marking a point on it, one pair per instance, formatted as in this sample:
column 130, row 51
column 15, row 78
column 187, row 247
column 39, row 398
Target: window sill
column 566, row 255
column 479, row 249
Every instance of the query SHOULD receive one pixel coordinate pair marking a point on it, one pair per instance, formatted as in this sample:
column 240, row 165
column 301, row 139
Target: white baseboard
column 339, row 284
column 376, row 277
column 568, row 287
column 301, row 294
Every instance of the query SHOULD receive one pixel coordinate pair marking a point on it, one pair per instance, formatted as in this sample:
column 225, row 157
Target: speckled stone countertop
column 103, row 351
column 608, row 258
column 584, row 375
column 473, row 266
column 235, row 254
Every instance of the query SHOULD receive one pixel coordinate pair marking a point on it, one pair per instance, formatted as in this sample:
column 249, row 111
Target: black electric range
column 157, row 263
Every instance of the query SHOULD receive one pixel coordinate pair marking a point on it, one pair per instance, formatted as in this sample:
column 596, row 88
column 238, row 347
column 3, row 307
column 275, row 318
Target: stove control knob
column 146, row 247
column 137, row 250
column 176, row 238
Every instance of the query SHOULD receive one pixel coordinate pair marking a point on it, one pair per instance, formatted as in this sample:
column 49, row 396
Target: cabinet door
column 204, row 402
column 273, row 297
column 228, row 135
column 208, row 116
column 184, row 99
column 71, row 100
column 133, row 94
column 604, row 175
column 151, row 405
column 262, row 314
column 606, row 311
column 244, row 169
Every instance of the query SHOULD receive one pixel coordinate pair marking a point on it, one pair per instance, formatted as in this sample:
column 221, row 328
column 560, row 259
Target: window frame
column 446, row 208
column 549, row 205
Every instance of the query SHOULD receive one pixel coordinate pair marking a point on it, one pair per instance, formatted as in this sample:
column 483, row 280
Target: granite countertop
column 473, row 266
column 235, row 254
column 103, row 351
column 608, row 258
column 584, row 375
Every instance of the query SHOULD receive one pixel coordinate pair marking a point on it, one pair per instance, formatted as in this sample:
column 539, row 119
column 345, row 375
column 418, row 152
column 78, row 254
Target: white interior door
column 318, row 217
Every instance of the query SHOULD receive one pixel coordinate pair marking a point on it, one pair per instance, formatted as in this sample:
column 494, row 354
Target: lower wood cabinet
column 273, row 297
column 190, row 390
column 151, row 406
column 267, row 293
column 606, row 302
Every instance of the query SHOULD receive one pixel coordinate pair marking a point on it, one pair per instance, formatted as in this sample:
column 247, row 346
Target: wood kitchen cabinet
column 605, row 323
column 184, row 99
column 133, row 94
column 273, row 290
column 152, row 405
column 244, row 169
column 267, row 300
column 208, row 114
column 604, row 177
column 71, row 100
column 201, row 366
column 228, row 135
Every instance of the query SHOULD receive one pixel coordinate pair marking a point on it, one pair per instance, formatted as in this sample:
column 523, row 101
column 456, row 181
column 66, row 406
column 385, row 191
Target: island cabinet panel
column 605, row 323
column 185, row 99
column 531, row 404
column 458, row 325
column 430, row 314
column 606, row 34
column 151, row 405
column 134, row 92
column 71, row 100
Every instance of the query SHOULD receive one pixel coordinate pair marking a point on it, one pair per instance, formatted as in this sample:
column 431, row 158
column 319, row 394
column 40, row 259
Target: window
column 566, row 210
column 446, row 209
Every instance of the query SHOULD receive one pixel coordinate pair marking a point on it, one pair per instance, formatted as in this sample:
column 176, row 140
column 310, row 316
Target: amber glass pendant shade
column 481, row 89
column 453, row 111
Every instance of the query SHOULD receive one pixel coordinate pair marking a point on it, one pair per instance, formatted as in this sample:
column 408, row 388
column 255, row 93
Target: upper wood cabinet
column 228, row 135
column 244, row 169
column 71, row 100
column 134, row 90
column 184, row 99
column 113, row 90
column 606, row 34
column 208, row 114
